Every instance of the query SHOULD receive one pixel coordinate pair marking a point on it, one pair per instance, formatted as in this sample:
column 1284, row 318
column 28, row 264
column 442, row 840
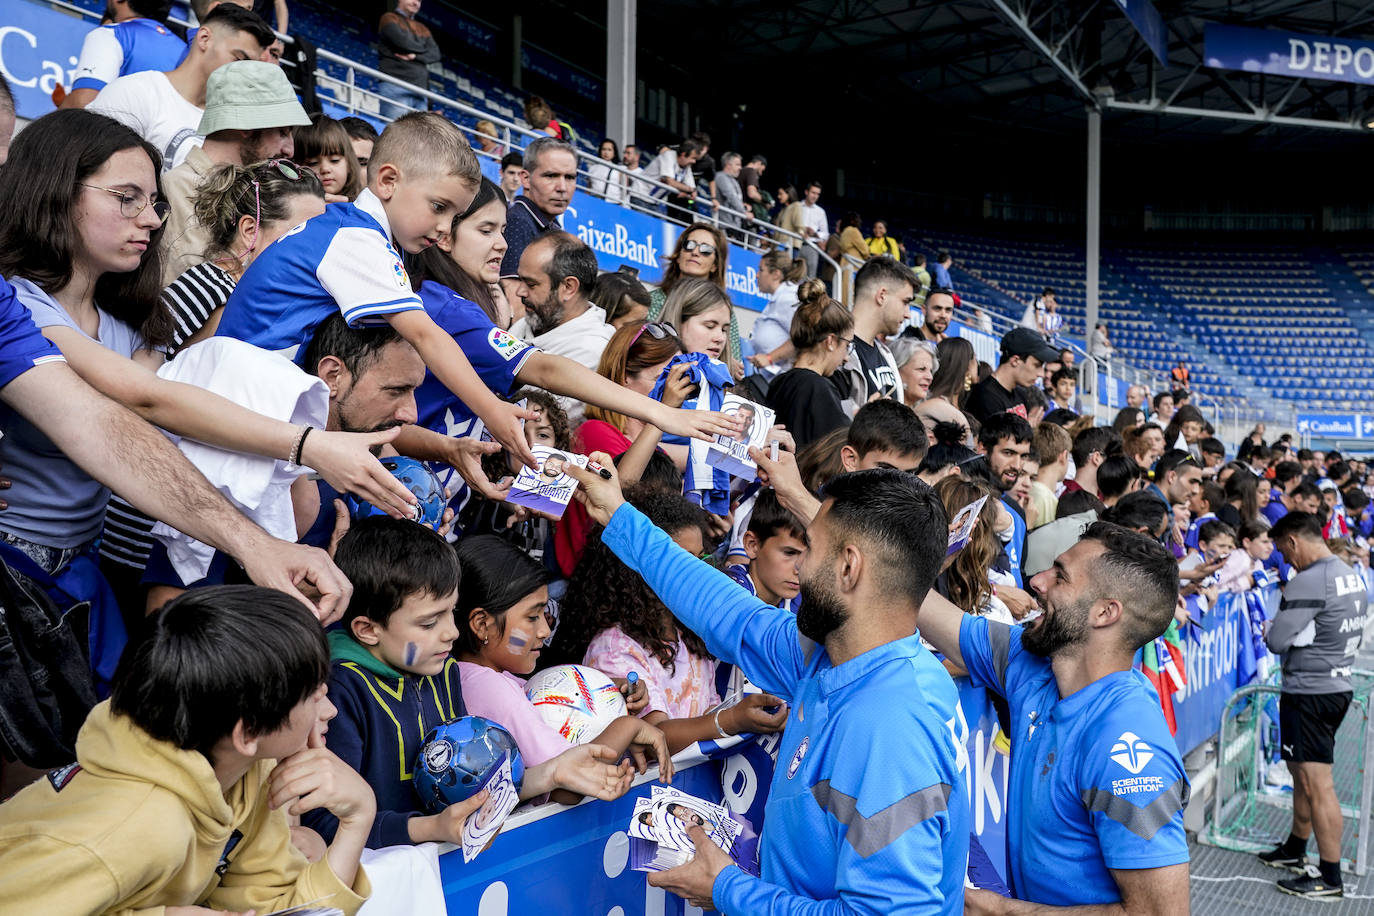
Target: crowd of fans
column 294, row 299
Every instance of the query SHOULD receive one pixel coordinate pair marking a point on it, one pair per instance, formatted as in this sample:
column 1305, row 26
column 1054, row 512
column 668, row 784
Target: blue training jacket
column 867, row 812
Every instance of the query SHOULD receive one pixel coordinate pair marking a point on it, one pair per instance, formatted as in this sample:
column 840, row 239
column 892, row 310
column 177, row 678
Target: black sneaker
column 1278, row 858
column 1310, row 884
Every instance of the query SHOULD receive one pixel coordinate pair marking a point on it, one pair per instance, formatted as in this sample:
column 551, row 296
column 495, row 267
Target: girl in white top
column 603, row 180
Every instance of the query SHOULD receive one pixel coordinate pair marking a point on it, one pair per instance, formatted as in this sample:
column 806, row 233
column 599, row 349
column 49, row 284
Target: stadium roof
column 1034, row 63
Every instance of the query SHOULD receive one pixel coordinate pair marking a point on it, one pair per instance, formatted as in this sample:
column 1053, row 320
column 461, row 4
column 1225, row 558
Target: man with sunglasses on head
column 1176, row 474
column 250, row 109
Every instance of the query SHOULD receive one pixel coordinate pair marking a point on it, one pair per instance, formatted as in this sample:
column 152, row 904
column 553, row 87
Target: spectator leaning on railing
column 406, row 49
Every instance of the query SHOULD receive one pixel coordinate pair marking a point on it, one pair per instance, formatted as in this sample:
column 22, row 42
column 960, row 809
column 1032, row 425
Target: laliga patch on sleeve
column 506, row 345
column 63, row 775
column 402, row 278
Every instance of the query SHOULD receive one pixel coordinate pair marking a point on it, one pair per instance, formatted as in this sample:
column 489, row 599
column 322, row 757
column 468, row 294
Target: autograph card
column 481, row 828
column 547, row 489
column 731, row 453
column 961, row 528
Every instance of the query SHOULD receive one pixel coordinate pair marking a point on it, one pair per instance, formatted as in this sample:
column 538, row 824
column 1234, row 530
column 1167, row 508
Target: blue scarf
column 702, row 484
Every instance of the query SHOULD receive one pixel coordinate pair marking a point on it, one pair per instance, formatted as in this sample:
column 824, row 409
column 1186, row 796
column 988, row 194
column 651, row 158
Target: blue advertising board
column 1325, row 425
column 1234, row 47
column 1148, row 23
column 1211, row 657
column 576, row 860
column 39, row 46
column 619, row 236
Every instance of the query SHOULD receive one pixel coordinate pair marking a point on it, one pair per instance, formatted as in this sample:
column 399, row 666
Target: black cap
column 1024, row 342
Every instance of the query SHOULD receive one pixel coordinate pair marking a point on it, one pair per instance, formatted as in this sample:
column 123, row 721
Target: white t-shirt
column 813, row 215
column 607, row 182
column 147, row 103
column 581, row 340
column 665, row 166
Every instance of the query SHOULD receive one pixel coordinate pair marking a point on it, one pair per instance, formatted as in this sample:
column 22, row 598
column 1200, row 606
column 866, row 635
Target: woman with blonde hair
column 701, row 251
column 957, row 366
column 808, row 404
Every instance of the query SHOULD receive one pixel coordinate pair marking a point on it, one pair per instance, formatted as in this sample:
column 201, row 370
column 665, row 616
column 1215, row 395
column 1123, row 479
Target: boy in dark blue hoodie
column 393, row 680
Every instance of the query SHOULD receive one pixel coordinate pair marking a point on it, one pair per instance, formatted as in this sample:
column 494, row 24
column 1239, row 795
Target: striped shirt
column 192, row 297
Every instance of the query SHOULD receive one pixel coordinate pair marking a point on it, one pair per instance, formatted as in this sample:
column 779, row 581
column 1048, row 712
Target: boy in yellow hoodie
column 185, row 776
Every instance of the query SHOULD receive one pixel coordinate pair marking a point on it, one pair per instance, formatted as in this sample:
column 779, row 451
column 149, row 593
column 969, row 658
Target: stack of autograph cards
column 309, row 909
column 658, row 830
column 481, row 828
column 731, row 453
column 546, row 489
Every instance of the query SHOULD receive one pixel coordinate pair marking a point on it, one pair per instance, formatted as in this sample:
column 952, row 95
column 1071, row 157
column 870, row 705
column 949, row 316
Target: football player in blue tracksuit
column 867, row 811
column 1095, row 807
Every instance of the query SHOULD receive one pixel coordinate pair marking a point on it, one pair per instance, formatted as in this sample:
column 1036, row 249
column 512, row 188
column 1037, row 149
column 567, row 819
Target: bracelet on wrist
column 720, row 731
column 299, row 446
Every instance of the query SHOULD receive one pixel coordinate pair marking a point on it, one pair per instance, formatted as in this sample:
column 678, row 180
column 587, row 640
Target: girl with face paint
column 613, row 622
column 503, row 600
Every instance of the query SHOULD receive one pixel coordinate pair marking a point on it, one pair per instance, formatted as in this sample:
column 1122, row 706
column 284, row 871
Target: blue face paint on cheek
column 412, row 650
column 518, row 641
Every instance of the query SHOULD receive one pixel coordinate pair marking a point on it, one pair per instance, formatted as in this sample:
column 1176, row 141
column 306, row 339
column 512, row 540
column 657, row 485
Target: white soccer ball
column 576, row 701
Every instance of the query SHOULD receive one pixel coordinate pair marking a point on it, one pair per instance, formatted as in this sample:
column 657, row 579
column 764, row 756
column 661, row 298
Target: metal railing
column 516, row 135
column 1233, row 415
column 1232, row 418
column 1246, row 816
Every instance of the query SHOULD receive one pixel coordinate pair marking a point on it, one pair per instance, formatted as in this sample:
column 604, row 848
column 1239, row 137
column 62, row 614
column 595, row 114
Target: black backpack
column 46, row 688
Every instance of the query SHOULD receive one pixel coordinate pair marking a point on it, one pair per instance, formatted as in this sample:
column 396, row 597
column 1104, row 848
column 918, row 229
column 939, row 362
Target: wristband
column 299, row 446
column 720, row 731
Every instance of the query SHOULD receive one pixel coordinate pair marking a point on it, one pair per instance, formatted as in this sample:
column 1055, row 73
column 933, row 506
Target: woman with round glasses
column 243, row 211
column 700, row 252
column 79, row 241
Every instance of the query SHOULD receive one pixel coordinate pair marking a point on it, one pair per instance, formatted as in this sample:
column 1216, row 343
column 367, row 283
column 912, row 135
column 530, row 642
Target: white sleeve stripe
column 360, row 271
column 368, row 314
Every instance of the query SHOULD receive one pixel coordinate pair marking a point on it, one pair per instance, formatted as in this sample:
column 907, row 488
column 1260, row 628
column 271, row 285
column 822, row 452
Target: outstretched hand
column 593, row 769
column 305, row 573
column 347, row 463
column 505, row 427
column 465, row 456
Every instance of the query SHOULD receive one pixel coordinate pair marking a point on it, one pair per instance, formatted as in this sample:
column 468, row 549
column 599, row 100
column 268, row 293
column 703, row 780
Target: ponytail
column 231, row 192
column 818, row 316
column 793, row 270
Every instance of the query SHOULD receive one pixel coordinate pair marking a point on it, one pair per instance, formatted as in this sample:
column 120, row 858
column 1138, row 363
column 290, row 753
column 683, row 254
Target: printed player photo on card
column 547, row 488
column 731, row 453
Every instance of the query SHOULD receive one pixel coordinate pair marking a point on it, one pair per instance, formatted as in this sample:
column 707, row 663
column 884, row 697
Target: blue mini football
column 457, row 758
column 419, row 480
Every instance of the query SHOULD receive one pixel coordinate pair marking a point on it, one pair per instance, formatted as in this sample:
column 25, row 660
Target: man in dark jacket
column 407, row 48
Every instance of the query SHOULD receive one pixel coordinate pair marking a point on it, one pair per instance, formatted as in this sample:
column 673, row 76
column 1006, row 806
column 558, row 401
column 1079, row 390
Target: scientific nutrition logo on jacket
column 1132, row 752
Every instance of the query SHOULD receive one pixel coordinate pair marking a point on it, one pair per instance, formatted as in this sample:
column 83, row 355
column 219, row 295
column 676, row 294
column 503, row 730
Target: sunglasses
column 286, row 169
column 705, row 248
column 658, row 330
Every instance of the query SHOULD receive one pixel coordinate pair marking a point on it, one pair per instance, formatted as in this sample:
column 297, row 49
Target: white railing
column 515, row 135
